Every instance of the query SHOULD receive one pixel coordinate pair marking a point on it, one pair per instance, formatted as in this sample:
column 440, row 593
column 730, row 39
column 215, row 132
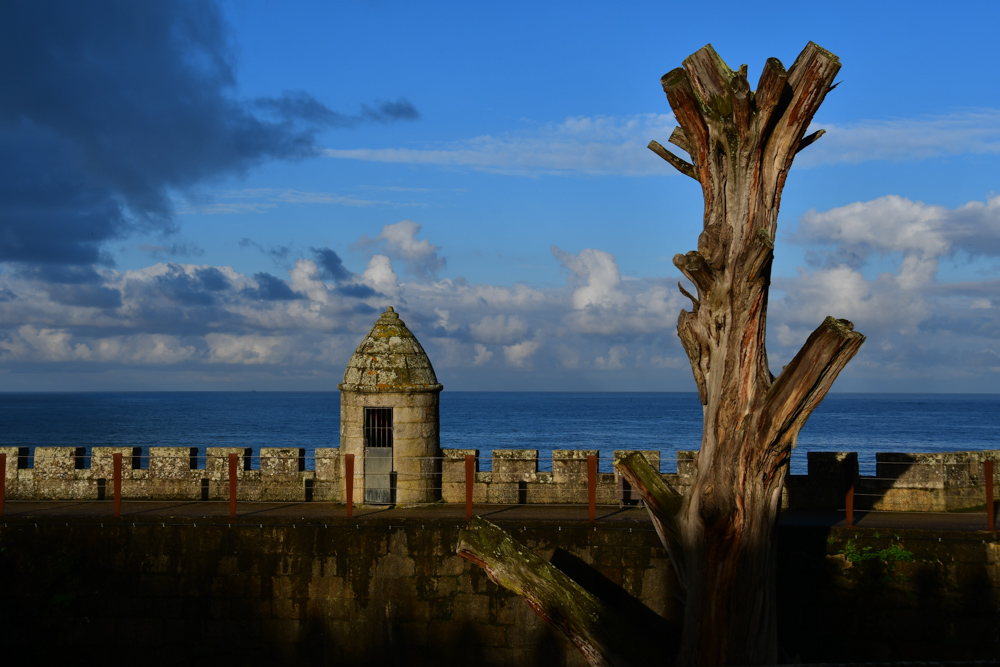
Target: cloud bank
column 196, row 317
column 596, row 330
column 942, row 334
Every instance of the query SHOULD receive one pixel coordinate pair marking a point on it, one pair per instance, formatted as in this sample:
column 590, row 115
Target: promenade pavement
column 609, row 516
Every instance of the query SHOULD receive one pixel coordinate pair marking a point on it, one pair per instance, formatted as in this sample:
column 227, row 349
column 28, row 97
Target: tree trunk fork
column 720, row 535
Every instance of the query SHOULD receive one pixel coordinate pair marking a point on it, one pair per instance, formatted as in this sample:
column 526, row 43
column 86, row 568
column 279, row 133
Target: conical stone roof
column 390, row 359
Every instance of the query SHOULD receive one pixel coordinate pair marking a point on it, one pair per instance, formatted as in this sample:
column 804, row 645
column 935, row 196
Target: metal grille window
column 378, row 427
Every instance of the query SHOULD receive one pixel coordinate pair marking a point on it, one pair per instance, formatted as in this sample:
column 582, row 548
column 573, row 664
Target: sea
column 544, row 421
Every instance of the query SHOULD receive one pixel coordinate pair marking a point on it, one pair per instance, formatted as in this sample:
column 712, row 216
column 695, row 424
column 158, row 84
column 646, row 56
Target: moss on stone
column 390, row 359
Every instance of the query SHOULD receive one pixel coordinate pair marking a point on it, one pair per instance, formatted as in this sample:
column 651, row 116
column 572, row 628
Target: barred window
column 378, row 427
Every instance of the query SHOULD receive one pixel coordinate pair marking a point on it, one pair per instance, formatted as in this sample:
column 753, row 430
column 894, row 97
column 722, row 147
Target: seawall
column 203, row 591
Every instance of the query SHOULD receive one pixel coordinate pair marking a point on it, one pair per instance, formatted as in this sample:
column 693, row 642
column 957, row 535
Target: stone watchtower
column 389, row 417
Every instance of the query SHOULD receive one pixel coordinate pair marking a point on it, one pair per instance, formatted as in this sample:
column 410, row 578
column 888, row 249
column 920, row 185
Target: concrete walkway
column 610, row 516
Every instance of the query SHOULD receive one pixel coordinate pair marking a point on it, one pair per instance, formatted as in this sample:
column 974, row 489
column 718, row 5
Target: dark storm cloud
column 49, row 209
column 106, row 108
column 66, row 275
column 298, row 105
column 330, row 264
column 73, row 285
column 277, row 253
column 385, row 112
column 181, row 248
column 85, row 296
column 331, row 267
column 302, row 106
column 271, row 288
column 357, row 291
column 212, row 279
column 184, row 289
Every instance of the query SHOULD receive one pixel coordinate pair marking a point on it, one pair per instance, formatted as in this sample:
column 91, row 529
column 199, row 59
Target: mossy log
column 601, row 633
column 721, row 534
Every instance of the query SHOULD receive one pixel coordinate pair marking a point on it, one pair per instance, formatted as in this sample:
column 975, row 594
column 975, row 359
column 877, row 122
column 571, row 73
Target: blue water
column 865, row 423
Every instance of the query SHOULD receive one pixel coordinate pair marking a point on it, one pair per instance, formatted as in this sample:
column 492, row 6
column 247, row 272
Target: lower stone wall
column 308, row 594
column 219, row 593
column 850, row 595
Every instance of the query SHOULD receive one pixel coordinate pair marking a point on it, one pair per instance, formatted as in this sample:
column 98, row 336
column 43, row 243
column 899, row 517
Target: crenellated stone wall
column 931, row 482
column 903, row 482
column 173, row 473
column 516, row 479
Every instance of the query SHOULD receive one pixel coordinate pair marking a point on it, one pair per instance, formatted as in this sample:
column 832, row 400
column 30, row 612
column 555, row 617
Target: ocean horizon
column 865, row 423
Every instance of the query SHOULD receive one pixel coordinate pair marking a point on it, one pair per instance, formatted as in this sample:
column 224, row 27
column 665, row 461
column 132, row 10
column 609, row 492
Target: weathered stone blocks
column 903, row 482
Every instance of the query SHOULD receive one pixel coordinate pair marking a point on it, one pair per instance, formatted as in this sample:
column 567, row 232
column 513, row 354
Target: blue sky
column 223, row 196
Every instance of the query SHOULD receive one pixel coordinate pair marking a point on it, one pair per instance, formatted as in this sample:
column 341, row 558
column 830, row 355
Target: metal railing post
column 349, row 478
column 990, row 510
column 3, row 480
column 233, row 465
column 470, row 476
column 591, row 487
column 849, row 504
column 117, row 474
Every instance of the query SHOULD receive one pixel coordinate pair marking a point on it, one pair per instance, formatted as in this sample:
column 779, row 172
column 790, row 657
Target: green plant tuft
column 890, row 555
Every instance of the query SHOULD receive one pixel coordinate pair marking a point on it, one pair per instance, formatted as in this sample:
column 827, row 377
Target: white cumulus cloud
column 399, row 241
column 380, row 276
column 501, row 329
column 519, row 354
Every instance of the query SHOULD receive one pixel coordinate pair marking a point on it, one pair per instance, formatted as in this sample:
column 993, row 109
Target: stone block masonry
column 244, row 592
column 309, row 594
column 914, row 482
column 173, row 473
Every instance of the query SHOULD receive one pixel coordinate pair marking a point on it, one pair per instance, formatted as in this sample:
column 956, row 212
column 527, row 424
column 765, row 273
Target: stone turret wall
column 390, row 369
column 415, row 429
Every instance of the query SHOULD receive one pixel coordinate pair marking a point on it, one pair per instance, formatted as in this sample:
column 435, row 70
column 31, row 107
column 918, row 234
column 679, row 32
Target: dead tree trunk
column 720, row 535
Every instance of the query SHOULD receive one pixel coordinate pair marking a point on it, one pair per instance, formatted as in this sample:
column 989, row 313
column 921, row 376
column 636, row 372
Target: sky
column 224, row 196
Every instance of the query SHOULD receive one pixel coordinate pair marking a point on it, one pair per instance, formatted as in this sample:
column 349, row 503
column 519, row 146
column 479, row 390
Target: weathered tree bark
column 720, row 534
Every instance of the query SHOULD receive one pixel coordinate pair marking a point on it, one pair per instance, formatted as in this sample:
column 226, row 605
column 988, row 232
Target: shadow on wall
column 931, row 482
column 273, row 594
column 855, row 595
column 649, row 623
column 460, row 643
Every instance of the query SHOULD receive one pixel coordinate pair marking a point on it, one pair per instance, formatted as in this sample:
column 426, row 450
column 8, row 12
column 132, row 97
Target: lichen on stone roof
column 390, row 359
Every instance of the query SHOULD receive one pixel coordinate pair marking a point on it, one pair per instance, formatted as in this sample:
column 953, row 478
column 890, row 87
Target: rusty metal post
column 349, row 478
column 117, row 458
column 990, row 510
column 233, row 465
column 591, row 487
column 470, row 478
column 849, row 503
column 3, row 480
